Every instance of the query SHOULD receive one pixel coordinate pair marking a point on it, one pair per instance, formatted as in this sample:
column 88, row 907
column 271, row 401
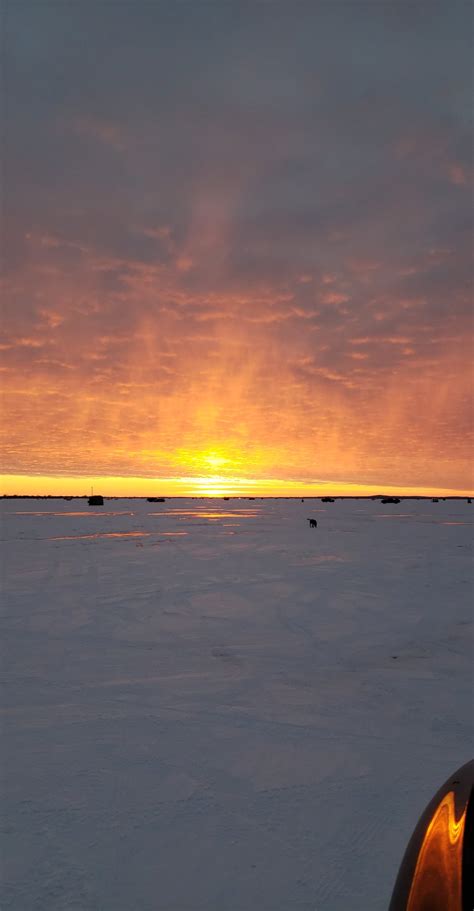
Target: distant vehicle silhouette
column 313, row 523
column 96, row 500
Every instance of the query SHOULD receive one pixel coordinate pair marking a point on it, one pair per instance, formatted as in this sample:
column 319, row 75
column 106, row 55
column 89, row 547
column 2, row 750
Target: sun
column 218, row 460
column 215, row 460
column 215, row 471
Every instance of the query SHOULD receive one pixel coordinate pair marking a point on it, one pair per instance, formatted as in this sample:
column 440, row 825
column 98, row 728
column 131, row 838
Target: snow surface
column 203, row 708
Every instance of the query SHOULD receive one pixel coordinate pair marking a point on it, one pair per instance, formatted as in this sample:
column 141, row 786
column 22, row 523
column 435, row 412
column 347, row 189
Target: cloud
column 270, row 252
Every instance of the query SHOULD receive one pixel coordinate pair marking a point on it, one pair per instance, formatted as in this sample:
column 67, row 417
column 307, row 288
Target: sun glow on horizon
column 219, row 459
column 210, row 485
column 227, row 460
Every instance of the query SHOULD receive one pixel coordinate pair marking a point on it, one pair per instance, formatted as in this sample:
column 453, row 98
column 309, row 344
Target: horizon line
column 208, row 486
column 334, row 496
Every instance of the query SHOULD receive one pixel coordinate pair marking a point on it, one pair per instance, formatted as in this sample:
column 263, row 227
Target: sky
column 237, row 246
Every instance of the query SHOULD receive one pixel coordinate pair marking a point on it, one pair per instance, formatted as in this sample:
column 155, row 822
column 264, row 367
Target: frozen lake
column 207, row 706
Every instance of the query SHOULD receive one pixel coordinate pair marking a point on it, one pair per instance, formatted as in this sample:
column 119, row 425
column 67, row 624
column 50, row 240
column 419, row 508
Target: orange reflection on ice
column 456, row 523
column 437, row 882
column 102, row 534
column 100, row 514
column 223, row 515
column 201, row 514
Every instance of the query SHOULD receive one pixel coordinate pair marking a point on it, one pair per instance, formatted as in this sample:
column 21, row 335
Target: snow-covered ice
column 209, row 706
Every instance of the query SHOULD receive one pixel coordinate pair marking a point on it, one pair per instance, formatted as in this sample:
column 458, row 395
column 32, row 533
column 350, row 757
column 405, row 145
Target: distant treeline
column 325, row 498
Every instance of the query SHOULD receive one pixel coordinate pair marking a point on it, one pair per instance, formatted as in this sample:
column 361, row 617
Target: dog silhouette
column 312, row 523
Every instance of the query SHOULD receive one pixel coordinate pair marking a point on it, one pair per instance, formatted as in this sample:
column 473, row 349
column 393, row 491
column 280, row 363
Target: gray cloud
column 298, row 174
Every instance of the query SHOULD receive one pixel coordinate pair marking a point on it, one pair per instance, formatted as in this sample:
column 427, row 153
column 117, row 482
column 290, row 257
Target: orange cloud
column 125, row 382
